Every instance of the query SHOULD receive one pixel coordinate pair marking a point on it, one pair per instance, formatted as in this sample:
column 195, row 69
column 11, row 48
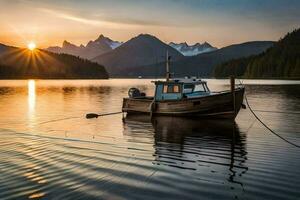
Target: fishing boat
column 187, row 97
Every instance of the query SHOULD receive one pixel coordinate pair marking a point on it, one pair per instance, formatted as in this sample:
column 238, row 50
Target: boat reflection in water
column 207, row 148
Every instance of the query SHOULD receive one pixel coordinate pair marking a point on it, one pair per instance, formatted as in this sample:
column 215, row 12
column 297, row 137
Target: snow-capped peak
column 191, row 50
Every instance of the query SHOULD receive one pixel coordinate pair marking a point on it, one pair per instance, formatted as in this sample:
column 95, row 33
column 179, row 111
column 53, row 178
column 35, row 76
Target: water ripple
column 140, row 158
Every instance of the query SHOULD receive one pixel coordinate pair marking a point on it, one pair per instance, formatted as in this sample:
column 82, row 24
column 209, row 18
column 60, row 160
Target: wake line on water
column 56, row 138
column 69, row 139
column 282, row 112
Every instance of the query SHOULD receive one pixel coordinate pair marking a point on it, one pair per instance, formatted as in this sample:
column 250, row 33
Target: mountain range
column 192, row 50
column 144, row 55
column 200, row 65
column 104, row 44
column 139, row 51
column 19, row 63
column 93, row 48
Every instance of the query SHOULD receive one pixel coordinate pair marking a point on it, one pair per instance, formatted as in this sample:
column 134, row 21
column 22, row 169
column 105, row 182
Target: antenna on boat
column 168, row 58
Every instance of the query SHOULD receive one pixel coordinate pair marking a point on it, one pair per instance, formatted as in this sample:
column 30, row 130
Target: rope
column 56, row 120
column 113, row 113
column 94, row 115
column 152, row 107
column 295, row 145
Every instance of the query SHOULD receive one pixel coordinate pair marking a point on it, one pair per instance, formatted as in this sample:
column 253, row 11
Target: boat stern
column 137, row 105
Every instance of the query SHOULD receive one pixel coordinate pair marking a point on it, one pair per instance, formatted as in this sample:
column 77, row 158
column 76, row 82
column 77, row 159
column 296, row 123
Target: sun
column 31, row 46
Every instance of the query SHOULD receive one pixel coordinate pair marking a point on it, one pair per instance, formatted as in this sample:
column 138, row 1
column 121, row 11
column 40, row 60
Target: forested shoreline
column 16, row 63
column 282, row 60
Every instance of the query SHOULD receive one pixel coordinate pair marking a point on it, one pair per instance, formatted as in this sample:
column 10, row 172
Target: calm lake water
column 49, row 150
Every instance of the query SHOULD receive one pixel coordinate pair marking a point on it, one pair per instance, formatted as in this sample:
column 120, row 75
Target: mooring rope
column 56, row 120
column 266, row 126
column 95, row 115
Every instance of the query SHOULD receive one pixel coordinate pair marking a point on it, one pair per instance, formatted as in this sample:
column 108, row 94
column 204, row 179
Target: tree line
column 282, row 60
column 23, row 64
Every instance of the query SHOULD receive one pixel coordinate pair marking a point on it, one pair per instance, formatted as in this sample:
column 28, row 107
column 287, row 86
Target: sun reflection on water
column 31, row 99
column 31, row 95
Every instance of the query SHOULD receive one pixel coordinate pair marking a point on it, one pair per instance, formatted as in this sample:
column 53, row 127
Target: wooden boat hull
column 217, row 105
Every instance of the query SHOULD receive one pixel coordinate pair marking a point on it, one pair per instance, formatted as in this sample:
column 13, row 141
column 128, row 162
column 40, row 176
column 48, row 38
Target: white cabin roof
column 182, row 80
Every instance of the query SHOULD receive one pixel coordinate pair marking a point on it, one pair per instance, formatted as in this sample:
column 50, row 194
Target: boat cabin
column 180, row 88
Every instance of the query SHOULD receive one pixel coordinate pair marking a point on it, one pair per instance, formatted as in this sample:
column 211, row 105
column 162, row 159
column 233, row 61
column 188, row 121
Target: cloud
column 110, row 22
column 75, row 18
column 132, row 21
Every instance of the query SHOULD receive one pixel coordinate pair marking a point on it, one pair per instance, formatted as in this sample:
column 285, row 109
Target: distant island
column 282, row 61
column 18, row 63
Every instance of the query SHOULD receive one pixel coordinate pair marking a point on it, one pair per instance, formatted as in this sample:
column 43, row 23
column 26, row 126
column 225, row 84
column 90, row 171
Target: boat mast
column 167, row 66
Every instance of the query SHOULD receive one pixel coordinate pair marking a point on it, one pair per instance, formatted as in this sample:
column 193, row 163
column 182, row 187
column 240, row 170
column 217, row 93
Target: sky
column 219, row 22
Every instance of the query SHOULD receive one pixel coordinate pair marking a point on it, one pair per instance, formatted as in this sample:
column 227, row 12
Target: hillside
column 202, row 64
column 139, row 51
column 17, row 63
column 280, row 61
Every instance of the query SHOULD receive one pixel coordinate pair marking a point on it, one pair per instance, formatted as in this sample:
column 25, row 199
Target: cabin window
column 188, row 89
column 171, row 89
column 199, row 88
column 175, row 88
column 165, row 88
